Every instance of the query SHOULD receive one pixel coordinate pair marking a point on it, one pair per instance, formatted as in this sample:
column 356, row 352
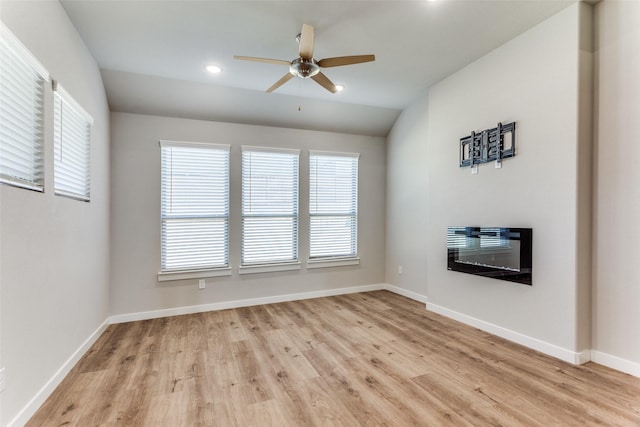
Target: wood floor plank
column 250, row 378
column 374, row 358
column 263, row 414
column 232, row 325
column 346, row 387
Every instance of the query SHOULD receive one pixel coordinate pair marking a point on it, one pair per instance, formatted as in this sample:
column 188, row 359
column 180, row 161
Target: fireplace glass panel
column 497, row 252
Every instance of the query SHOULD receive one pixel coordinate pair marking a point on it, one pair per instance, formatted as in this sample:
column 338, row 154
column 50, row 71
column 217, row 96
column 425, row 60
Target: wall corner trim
column 34, row 404
column 583, row 357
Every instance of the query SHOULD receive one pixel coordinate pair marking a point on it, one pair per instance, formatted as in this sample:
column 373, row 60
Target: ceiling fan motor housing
column 304, row 68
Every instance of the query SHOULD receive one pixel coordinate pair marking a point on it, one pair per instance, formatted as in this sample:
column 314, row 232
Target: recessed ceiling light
column 339, row 88
column 213, row 69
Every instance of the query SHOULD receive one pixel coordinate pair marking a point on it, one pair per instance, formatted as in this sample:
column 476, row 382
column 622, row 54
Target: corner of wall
column 406, row 198
column 616, row 195
column 584, row 167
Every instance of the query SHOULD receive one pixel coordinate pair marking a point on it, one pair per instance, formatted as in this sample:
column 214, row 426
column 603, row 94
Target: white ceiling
column 153, row 54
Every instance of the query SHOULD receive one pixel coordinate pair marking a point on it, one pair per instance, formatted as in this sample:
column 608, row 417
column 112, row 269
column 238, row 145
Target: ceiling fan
column 305, row 66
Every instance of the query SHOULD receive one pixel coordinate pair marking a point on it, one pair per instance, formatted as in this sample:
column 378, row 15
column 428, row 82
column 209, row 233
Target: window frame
column 341, row 259
column 35, row 149
column 274, row 264
column 63, row 101
column 178, row 273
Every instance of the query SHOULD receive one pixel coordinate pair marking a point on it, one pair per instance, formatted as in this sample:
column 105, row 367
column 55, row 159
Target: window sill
column 193, row 274
column 268, row 268
column 72, row 196
column 323, row 263
column 20, row 184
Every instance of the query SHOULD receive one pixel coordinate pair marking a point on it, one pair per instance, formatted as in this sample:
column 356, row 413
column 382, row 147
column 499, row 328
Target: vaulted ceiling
column 153, row 54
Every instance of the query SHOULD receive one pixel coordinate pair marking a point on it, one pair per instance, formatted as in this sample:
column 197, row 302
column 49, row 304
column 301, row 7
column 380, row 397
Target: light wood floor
column 364, row 359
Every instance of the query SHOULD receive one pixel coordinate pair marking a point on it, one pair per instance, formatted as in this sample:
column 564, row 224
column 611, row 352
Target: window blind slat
column 194, row 206
column 269, row 206
column 333, row 205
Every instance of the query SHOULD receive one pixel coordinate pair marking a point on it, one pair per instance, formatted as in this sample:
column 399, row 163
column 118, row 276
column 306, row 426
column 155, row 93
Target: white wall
column 617, row 191
column 534, row 80
column 135, row 214
column 54, row 265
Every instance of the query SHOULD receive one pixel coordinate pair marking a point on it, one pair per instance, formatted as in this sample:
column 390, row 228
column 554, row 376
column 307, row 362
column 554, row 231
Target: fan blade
column 267, row 60
column 324, row 81
column 345, row 60
column 306, row 42
column 280, row 82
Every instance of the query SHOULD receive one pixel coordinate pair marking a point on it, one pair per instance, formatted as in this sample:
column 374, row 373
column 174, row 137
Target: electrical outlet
column 400, row 269
column 201, row 284
column 1, row 380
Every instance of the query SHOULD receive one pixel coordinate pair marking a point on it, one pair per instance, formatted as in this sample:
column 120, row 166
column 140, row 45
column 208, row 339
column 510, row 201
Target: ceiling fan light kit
column 305, row 66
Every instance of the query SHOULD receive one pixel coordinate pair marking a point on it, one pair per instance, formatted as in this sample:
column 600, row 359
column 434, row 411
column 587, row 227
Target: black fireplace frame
column 523, row 235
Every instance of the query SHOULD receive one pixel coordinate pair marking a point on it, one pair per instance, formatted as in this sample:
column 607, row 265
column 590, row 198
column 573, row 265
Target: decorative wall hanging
column 489, row 145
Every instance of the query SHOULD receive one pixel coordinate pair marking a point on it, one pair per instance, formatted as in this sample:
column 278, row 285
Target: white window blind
column 194, row 206
column 333, row 205
column 269, row 205
column 22, row 89
column 71, row 146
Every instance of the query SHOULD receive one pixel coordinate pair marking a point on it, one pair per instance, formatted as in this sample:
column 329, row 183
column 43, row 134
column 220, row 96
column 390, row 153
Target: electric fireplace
column 496, row 252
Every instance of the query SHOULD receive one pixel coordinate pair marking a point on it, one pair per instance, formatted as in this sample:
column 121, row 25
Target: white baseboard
column 406, row 293
column 533, row 343
column 617, row 363
column 154, row 314
column 27, row 412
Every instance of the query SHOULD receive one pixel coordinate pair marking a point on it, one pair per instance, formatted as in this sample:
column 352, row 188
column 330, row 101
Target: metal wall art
column 489, row 145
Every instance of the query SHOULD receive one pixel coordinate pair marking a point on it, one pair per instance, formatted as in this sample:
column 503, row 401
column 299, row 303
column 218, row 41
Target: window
column 333, row 205
column 71, row 146
column 269, row 206
column 194, row 206
column 22, row 89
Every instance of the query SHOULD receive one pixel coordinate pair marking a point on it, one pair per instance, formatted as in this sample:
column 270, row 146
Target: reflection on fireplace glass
column 498, row 252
